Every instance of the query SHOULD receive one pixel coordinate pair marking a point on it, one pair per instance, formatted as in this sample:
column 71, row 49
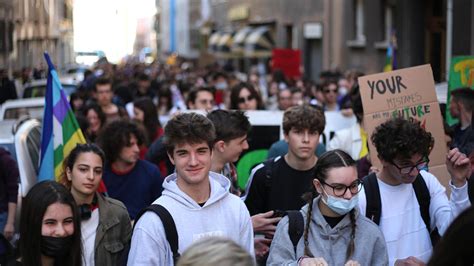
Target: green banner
column 461, row 74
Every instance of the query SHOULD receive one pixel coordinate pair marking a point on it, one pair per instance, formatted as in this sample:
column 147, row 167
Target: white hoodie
column 223, row 215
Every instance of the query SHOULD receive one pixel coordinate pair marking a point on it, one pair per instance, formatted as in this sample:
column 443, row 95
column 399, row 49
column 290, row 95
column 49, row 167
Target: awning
column 259, row 43
column 239, row 40
column 224, row 45
column 213, row 40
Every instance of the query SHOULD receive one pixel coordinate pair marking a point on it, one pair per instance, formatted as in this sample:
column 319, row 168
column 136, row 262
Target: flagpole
column 449, row 36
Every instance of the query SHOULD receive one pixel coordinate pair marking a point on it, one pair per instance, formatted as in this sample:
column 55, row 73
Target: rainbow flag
column 390, row 60
column 61, row 132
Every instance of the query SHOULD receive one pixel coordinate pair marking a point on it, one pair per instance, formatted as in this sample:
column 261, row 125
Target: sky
column 109, row 25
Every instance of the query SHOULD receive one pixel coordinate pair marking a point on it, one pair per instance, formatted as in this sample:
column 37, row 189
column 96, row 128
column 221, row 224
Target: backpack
column 295, row 218
column 295, row 227
column 169, row 225
column 269, row 164
column 7, row 252
column 373, row 209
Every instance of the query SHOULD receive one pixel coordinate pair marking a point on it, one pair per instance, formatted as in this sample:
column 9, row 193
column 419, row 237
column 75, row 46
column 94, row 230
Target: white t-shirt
column 88, row 232
column 401, row 223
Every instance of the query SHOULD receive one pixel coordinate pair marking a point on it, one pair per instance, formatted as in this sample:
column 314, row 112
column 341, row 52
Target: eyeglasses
column 329, row 90
column 339, row 190
column 408, row 169
column 246, row 99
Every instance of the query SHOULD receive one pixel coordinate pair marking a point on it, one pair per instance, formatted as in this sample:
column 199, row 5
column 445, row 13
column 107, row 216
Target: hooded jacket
column 330, row 243
column 223, row 215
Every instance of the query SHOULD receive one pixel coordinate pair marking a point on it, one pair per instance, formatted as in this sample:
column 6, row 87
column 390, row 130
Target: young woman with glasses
column 334, row 232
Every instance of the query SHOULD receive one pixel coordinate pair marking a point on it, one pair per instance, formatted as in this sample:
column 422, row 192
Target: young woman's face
column 337, row 180
column 85, row 174
column 247, row 101
column 94, row 121
column 139, row 114
column 58, row 221
column 77, row 103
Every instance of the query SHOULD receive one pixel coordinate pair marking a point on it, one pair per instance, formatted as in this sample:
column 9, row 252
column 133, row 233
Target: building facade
column 331, row 34
column 7, row 24
column 43, row 26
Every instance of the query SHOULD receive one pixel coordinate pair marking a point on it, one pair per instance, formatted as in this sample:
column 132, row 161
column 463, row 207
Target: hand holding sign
column 459, row 166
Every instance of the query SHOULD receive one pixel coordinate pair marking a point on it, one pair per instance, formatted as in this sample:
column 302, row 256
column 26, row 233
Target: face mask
column 55, row 247
column 343, row 90
column 339, row 205
column 221, row 85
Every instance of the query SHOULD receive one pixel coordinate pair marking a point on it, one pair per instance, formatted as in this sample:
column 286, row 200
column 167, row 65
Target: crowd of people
column 139, row 193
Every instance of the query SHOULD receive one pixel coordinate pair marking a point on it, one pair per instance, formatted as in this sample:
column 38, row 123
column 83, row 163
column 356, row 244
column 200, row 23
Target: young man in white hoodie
column 198, row 200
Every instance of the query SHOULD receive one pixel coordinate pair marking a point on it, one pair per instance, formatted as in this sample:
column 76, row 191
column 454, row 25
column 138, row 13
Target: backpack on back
column 169, row 225
column 373, row 209
column 295, row 218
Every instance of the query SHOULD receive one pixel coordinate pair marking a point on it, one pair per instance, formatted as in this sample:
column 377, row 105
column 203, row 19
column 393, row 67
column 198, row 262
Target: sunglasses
column 328, row 91
column 246, row 99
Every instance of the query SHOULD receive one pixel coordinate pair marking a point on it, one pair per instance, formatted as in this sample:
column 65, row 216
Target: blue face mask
column 339, row 205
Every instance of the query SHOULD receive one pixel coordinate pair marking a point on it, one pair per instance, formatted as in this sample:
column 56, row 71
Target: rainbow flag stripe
column 61, row 132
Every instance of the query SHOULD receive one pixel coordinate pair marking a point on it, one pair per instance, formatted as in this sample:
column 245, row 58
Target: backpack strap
column 295, row 227
column 268, row 165
column 423, row 196
column 470, row 187
column 424, row 199
column 373, row 210
column 168, row 224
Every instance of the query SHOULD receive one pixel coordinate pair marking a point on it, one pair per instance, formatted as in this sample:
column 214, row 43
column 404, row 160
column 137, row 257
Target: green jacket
column 113, row 232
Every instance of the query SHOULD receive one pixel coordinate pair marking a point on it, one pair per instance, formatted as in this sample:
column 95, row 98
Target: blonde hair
column 216, row 251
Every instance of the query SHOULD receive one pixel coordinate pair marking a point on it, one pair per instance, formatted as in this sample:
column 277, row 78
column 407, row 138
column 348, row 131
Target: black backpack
column 373, row 209
column 7, row 252
column 168, row 224
column 295, row 227
column 295, row 218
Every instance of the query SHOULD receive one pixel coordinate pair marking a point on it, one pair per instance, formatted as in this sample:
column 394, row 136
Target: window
column 388, row 25
column 358, row 22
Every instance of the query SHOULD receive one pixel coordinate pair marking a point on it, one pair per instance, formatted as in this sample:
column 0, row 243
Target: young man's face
column 404, row 171
column 192, row 162
column 284, row 100
column 233, row 148
column 302, row 143
column 130, row 154
column 454, row 108
column 104, row 94
column 330, row 93
column 204, row 101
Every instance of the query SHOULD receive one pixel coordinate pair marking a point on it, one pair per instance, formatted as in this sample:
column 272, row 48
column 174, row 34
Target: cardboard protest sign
column 288, row 61
column 461, row 74
column 408, row 93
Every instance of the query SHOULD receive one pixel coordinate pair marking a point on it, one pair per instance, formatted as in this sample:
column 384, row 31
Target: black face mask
column 55, row 247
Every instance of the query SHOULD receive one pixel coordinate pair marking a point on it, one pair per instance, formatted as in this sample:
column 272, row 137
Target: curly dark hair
column 304, row 117
column 116, row 135
column 401, row 138
column 188, row 128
